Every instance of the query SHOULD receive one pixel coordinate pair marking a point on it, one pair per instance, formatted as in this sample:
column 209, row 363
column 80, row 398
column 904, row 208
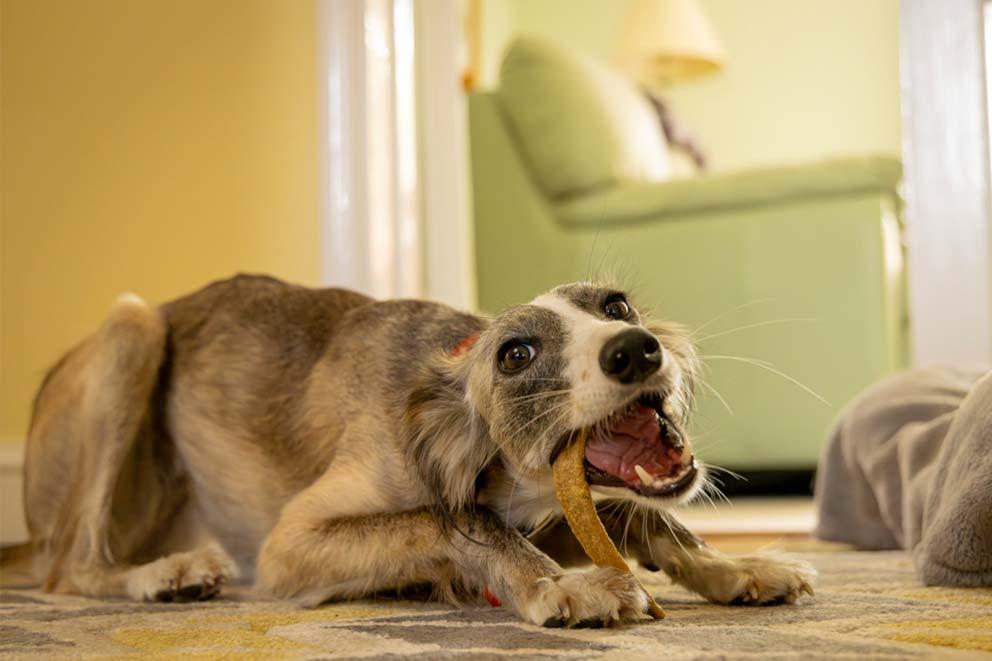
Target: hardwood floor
column 748, row 524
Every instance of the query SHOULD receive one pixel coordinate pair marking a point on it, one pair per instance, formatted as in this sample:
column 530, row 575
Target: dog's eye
column 515, row 356
column 616, row 307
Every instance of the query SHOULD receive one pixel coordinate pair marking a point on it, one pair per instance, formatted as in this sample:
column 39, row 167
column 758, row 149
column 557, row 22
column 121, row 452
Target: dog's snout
column 631, row 356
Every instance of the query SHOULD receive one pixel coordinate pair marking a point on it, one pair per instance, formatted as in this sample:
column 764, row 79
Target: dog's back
column 240, row 354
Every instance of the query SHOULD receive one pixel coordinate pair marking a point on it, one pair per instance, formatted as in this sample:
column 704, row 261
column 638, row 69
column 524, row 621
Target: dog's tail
column 17, row 566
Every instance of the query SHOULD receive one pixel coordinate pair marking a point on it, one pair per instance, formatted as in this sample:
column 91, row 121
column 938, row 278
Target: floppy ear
column 448, row 440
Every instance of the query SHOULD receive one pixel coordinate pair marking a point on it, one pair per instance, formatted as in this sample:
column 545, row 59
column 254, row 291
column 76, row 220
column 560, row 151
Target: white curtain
column 394, row 167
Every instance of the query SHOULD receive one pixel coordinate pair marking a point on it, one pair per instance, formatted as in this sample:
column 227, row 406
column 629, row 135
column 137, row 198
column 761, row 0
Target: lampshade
column 668, row 40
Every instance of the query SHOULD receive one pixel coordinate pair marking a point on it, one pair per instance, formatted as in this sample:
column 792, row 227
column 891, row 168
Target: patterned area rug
column 868, row 605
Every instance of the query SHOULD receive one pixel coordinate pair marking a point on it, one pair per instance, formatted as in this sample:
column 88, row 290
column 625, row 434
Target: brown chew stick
column 573, row 493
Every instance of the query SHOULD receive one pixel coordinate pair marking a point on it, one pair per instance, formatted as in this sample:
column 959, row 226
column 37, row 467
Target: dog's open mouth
column 641, row 449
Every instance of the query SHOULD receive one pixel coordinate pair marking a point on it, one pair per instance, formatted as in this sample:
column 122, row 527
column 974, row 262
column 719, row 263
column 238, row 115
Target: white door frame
column 341, row 130
column 946, row 160
column 442, row 113
column 380, row 138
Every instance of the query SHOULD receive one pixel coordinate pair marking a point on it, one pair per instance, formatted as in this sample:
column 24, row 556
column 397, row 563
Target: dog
column 330, row 446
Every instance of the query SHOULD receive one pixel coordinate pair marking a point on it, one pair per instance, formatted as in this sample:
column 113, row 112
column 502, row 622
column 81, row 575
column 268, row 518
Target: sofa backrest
column 579, row 125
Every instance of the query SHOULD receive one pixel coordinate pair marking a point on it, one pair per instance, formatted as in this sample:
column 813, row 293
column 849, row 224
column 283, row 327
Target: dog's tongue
column 633, row 440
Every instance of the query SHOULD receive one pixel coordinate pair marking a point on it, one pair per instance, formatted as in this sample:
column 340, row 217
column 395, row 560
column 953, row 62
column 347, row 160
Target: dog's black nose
column 631, row 356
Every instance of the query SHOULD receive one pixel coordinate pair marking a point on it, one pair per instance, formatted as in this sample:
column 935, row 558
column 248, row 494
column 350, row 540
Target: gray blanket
column 909, row 465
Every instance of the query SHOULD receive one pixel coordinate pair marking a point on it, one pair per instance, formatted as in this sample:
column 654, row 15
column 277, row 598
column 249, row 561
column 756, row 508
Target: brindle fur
column 332, row 445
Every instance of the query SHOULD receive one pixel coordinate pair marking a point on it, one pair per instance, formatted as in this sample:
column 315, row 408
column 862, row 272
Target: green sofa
column 807, row 262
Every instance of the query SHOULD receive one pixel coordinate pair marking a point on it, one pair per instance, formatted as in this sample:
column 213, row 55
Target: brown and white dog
column 331, row 446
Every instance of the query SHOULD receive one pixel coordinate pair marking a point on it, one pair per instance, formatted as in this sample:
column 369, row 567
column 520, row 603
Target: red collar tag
column 464, row 345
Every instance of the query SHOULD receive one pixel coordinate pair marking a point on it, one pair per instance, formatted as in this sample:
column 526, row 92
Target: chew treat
column 573, row 493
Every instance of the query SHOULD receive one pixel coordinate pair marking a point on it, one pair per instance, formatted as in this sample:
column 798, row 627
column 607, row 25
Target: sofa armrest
column 629, row 203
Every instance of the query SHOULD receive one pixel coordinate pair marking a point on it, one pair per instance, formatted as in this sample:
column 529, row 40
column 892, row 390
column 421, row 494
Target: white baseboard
column 12, row 526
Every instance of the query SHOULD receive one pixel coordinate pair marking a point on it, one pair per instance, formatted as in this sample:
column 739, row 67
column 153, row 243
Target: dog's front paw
column 762, row 579
column 192, row 575
column 594, row 598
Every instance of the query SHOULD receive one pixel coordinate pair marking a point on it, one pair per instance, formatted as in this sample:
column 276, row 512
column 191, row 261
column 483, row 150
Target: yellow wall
column 146, row 147
column 804, row 79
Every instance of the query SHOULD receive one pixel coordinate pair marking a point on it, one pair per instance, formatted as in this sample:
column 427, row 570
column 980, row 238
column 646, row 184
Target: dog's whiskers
column 645, row 537
column 732, row 310
column 765, row 365
column 706, row 384
column 612, row 506
column 703, row 494
column 674, row 535
column 717, row 480
column 509, row 504
column 757, row 324
column 553, row 409
column 630, row 511
column 725, row 470
column 536, row 396
column 718, row 492
column 757, row 361
column 710, row 488
column 700, row 449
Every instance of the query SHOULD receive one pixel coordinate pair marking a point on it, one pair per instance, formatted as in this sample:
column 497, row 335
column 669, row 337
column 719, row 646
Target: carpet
column 868, row 606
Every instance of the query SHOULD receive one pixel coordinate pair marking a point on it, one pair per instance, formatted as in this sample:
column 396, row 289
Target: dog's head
column 580, row 356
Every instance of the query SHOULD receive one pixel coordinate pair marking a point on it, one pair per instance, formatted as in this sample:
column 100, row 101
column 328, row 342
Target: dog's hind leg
column 100, row 478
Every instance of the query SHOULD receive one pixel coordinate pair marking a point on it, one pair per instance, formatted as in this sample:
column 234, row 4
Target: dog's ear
column 448, row 440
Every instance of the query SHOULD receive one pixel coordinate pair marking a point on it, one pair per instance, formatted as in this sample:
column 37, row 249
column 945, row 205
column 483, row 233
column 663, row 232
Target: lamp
column 668, row 40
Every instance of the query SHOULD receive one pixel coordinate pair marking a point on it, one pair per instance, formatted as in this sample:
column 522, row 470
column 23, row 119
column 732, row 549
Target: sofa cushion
column 734, row 191
column 579, row 125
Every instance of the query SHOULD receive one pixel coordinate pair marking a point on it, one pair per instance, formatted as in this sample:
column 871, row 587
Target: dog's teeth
column 658, row 482
column 645, row 476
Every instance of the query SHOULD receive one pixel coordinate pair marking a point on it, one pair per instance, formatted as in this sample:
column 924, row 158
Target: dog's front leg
column 319, row 560
column 761, row 578
column 660, row 541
